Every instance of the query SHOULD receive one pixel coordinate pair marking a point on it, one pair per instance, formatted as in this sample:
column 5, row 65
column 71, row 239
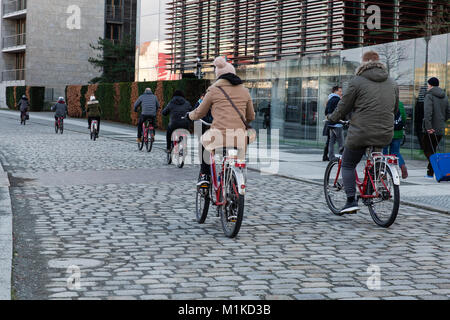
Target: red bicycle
column 379, row 190
column 59, row 125
column 177, row 153
column 226, row 190
column 148, row 137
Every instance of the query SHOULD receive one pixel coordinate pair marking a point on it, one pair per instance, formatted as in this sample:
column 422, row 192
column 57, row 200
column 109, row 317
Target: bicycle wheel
column 180, row 154
column 56, row 128
column 169, row 155
column 232, row 213
column 202, row 202
column 149, row 143
column 384, row 209
column 92, row 135
column 61, row 130
column 334, row 188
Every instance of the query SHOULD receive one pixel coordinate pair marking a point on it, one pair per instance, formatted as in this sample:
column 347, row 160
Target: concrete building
column 47, row 43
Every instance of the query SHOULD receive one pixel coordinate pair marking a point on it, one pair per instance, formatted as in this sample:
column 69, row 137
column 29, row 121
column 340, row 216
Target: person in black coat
column 333, row 100
column 177, row 108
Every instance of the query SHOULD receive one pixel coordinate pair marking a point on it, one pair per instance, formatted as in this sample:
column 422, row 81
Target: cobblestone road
column 127, row 221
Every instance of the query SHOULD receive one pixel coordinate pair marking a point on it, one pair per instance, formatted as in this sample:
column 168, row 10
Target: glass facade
column 291, row 95
column 152, row 54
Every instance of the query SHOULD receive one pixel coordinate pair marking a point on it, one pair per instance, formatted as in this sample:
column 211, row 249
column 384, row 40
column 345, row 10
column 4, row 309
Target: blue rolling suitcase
column 441, row 165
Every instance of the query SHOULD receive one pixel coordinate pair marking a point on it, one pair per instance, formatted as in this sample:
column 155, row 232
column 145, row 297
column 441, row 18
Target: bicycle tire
column 149, row 145
column 56, row 128
column 202, row 207
column 386, row 223
column 94, row 135
column 332, row 205
column 61, row 130
column 169, row 156
column 237, row 206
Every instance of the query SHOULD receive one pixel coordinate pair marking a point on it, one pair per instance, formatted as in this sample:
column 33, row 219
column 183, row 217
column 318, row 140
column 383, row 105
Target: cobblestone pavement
column 137, row 238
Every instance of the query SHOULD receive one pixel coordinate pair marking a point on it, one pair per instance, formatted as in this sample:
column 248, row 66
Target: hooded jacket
column 23, row 105
column 60, row 109
column 149, row 104
column 372, row 99
column 177, row 108
column 436, row 110
column 93, row 109
column 224, row 115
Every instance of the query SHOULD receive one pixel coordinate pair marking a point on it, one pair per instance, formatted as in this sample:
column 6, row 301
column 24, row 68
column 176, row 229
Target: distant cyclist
column 372, row 99
column 60, row 108
column 24, row 106
column 94, row 112
column 177, row 108
column 149, row 104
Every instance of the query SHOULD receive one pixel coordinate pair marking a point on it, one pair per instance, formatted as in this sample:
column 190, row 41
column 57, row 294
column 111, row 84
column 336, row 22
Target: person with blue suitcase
column 436, row 114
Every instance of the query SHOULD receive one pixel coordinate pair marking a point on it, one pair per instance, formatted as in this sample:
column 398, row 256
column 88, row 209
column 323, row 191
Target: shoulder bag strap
column 247, row 126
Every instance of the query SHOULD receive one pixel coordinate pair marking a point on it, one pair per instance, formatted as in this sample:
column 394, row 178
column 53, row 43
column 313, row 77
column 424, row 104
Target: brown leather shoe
column 404, row 171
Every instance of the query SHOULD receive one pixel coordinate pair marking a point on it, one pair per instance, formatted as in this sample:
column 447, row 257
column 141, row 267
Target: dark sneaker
column 325, row 159
column 350, row 207
column 203, row 181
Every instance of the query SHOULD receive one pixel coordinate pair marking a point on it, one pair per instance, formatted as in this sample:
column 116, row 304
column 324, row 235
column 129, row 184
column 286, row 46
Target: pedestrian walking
column 418, row 115
column 335, row 131
column 399, row 132
column 436, row 113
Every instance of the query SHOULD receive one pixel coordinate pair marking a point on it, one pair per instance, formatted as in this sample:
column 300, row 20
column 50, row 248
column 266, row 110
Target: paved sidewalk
column 5, row 237
column 295, row 162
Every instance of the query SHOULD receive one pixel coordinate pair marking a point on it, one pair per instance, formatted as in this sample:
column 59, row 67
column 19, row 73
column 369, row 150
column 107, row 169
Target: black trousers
column 142, row 120
column 172, row 127
column 430, row 143
column 205, row 168
column 98, row 122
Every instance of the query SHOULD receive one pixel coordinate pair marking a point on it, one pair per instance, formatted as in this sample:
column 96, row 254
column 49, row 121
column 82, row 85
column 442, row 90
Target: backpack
column 398, row 122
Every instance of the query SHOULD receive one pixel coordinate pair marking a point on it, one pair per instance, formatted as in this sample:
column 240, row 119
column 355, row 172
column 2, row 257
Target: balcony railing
column 14, row 6
column 14, row 41
column 13, row 75
column 114, row 13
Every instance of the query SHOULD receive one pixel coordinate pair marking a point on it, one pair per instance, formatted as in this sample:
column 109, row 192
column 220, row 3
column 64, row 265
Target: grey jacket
column 436, row 110
column 60, row 109
column 23, row 105
column 149, row 104
column 372, row 99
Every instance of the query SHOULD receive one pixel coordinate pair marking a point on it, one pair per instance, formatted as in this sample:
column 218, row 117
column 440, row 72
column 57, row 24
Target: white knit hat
column 223, row 67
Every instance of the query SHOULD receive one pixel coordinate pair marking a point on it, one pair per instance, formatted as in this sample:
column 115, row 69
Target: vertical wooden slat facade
column 254, row 31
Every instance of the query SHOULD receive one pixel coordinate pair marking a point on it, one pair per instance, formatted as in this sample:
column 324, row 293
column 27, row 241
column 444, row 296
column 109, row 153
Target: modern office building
column 47, row 43
column 290, row 53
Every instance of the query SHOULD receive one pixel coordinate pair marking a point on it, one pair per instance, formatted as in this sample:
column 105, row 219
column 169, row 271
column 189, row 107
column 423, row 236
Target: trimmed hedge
column 117, row 100
column 35, row 95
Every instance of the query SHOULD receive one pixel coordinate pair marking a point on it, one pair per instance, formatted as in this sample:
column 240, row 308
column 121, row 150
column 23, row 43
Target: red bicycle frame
column 218, row 184
column 58, row 122
column 146, row 129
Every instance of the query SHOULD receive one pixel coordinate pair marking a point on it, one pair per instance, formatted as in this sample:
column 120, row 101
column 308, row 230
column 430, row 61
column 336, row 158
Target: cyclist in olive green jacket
column 93, row 111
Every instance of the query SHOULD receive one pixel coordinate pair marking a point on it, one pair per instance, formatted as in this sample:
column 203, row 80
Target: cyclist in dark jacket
column 149, row 104
column 177, row 108
column 60, row 108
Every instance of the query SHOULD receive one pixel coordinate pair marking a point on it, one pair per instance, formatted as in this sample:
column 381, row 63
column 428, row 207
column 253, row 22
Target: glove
column 186, row 116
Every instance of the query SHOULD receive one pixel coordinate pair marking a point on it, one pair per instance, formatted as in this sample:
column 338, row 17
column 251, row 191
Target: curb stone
column 5, row 237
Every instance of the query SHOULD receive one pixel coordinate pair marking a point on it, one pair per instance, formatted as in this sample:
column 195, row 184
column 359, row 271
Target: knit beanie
column 223, row 67
column 434, row 82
